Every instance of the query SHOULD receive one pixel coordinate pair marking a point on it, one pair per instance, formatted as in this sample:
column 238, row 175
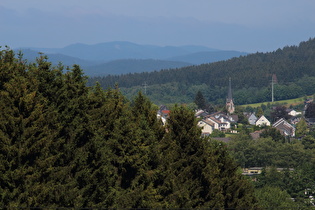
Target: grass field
column 293, row 102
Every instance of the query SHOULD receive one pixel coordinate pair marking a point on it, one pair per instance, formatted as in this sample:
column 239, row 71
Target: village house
column 207, row 127
column 221, row 124
column 222, row 121
column 252, row 119
column 216, row 121
column 284, row 127
column 163, row 113
column 293, row 113
column 258, row 170
column 262, row 121
column 201, row 113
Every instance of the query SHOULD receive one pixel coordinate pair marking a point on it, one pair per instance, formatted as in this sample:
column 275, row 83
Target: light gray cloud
column 227, row 24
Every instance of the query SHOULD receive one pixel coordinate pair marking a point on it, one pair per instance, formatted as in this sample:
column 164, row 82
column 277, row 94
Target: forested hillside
column 294, row 67
column 63, row 144
column 117, row 67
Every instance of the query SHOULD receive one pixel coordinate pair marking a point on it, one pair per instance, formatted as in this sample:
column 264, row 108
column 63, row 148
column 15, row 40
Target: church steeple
column 229, row 97
column 229, row 100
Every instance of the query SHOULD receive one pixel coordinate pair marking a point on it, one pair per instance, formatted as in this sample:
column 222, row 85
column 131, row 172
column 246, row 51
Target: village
column 228, row 122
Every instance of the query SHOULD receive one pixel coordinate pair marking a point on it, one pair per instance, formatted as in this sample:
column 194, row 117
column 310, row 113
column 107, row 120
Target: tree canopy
column 64, row 144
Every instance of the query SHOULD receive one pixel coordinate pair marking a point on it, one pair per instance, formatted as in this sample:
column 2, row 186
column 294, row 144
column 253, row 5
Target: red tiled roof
column 166, row 111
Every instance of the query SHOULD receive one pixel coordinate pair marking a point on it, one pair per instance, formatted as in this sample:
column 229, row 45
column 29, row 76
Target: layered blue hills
column 127, row 57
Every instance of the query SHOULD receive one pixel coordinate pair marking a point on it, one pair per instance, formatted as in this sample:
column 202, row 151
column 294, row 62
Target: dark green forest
column 294, row 67
column 65, row 144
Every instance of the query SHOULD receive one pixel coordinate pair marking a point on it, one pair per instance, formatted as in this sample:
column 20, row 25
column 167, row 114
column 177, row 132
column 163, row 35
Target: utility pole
column 145, row 88
column 274, row 81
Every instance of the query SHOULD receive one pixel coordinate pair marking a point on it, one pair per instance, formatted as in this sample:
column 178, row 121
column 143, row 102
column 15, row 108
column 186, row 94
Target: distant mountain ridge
column 109, row 51
column 55, row 58
column 94, row 57
column 134, row 66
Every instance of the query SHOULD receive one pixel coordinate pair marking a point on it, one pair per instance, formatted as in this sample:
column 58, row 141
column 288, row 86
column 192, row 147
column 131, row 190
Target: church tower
column 229, row 100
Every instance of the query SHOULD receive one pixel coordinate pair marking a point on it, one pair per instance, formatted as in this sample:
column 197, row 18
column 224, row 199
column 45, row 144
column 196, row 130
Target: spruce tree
column 196, row 172
column 310, row 110
column 106, row 108
column 133, row 142
column 200, row 101
column 73, row 106
column 180, row 151
column 149, row 133
column 26, row 137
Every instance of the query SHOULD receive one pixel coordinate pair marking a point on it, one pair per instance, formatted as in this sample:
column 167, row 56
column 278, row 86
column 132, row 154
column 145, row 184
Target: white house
column 220, row 123
column 207, row 126
column 215, row 121
column 262, row 121
column 294, row 113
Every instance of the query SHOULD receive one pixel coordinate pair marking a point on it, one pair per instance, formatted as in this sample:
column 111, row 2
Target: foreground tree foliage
column 63, row 144
column 274, row 197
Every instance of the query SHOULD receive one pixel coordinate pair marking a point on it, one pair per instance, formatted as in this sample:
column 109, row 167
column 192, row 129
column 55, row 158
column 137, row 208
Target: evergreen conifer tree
column 26, row 136
column 63, row 144
column 200, row 100
column 196, row 172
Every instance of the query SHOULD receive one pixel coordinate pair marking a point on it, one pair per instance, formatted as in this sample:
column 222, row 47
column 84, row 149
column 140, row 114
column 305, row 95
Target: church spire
column 229, row 100
column 229, row 97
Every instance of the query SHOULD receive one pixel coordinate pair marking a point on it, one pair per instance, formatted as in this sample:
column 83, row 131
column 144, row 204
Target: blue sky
column 244, row 25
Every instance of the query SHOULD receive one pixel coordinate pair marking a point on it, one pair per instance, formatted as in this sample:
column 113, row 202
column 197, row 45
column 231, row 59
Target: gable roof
column 262, row 120
column 284, row 127
column 217, row 114
column 252, row 119
column 166, row 111
column 233, row 118
column 279, row 122
column 213, row 119
column 201, row 113
column 252, row 116
column 216, row 120
column 220, row 115
column 208, row 122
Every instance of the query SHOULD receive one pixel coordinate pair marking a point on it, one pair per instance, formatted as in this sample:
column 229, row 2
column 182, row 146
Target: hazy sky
column 245, row 25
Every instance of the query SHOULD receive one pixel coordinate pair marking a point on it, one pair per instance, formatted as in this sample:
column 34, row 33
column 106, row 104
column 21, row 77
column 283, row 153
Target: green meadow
column 294, row 102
